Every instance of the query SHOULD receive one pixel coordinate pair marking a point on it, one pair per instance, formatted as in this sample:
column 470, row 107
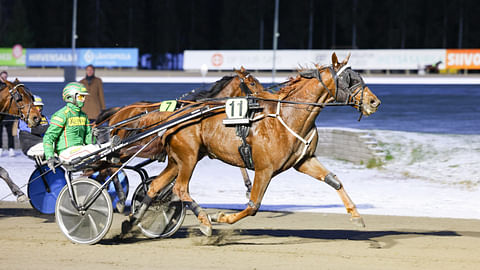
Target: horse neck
column 302, row 117
column 4, row 100
column 232, row 89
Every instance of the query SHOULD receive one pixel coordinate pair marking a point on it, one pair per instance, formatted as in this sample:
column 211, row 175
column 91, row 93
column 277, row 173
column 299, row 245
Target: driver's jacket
column 68, row 127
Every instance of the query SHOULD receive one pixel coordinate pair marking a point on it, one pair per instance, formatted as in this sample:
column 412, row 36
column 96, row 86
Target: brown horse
column 16, row 100
column 229, row 86
column 282, row 136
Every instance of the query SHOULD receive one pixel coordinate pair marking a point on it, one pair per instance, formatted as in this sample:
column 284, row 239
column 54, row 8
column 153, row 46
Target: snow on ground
column 433, row 175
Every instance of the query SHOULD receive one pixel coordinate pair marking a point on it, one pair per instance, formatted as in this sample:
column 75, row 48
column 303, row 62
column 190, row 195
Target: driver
column 70, row 135
column 69, row 132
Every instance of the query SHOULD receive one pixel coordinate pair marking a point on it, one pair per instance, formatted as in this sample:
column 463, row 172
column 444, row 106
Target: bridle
column 348, row 93
column 16, row 96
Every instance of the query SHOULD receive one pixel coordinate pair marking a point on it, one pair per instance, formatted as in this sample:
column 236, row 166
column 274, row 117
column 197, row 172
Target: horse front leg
column 315, row 169
column 260, row 184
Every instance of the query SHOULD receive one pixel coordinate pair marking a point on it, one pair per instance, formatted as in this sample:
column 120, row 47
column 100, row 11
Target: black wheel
column 164, row 216
column 43, row 191
column 88, row 226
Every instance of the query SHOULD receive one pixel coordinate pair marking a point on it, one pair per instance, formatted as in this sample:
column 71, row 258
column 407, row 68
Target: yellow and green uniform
column 68, row 127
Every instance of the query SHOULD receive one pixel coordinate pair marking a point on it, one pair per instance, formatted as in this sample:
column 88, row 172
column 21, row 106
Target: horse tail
column 105, row 115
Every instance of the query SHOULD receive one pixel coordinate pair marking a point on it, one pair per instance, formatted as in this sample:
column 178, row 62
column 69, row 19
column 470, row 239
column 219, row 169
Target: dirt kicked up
column 270, row 240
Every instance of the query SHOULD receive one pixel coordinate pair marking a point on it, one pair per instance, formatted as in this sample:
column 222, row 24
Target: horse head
column 248, row 84
column 18, row 100
column 351, row 89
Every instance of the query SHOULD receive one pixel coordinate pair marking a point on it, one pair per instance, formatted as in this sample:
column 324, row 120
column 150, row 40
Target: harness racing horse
column 229, row 86
column 16, row 100
column 282, row 136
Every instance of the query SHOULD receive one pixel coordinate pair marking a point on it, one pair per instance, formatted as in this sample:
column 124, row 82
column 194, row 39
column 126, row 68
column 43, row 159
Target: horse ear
column 344, row 62
column 334, row 60
column 16, row 81
column 239, row 73
column 242, row 69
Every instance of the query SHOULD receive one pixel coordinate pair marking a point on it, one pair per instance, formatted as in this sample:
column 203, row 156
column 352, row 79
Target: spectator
column 7, row 122
column 95, row 101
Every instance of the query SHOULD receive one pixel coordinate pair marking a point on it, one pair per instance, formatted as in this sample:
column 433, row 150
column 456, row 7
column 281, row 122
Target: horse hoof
column 358, row 221
column 206, row 230
column 22, row 198
column 126, row 226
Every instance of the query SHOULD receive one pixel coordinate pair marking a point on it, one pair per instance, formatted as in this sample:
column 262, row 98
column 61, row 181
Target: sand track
column 270, row 240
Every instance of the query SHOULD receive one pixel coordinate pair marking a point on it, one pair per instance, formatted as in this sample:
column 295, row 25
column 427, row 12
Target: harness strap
column 305, row 142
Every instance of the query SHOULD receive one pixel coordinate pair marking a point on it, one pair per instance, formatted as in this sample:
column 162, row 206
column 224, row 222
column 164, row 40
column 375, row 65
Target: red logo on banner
column 17, row 51
column 217, row 59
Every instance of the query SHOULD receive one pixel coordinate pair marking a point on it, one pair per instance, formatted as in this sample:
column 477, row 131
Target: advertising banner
column 99, row 57
column 294, row 59
column 463, row 59
column 12, row 57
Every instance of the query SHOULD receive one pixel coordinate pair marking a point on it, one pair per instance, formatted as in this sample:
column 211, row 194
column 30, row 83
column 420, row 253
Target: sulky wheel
column 164, row 216
column 122, row 176
column 43, row 190
column 87, row 226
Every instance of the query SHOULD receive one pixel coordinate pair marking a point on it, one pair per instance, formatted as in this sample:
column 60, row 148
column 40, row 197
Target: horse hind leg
column 314, row 168
column 260, row 184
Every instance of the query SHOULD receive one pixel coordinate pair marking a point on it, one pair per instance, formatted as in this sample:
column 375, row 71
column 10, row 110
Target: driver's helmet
column 72, row 91
column 37, row 101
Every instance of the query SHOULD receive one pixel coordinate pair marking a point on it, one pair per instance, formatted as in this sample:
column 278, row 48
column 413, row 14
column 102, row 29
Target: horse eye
column 252, row 84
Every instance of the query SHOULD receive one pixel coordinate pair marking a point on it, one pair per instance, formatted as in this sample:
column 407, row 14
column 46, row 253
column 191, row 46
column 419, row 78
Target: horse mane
column 216, row 88
column 105, row 114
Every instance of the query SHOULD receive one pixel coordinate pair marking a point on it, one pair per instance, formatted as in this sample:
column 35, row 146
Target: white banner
column 294, row 59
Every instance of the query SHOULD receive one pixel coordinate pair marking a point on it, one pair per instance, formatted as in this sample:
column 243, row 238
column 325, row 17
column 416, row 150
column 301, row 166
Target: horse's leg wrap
column 147, row 200
column 331, row 180
column 193, row 205
column 119, row 188
column 254, row 206
column 137, row 216
column 205, row 225
column 121, row 195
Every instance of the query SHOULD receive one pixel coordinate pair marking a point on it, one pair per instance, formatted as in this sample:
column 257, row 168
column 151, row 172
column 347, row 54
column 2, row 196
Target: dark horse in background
column 16, row 100
column 282, row 135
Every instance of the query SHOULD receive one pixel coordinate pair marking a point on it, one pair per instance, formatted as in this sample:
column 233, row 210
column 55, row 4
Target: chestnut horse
column 17, row 101
column 282, row 136
column 229, row 86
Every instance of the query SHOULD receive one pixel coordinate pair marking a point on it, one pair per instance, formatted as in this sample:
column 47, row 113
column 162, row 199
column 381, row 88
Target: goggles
column 81, row 98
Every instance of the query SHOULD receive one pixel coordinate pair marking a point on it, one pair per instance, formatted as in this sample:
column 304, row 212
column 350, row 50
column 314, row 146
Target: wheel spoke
column 77, row 226
column 93, row 225
column 64, row 210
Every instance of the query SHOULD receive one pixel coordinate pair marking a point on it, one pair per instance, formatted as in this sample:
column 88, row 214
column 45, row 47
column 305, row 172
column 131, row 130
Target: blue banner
column 104, row 57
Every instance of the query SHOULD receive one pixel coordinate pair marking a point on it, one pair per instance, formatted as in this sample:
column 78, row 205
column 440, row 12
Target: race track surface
column 269, row 240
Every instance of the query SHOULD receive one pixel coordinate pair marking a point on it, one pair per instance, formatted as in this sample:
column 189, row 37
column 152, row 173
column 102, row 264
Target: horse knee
column 332, row 180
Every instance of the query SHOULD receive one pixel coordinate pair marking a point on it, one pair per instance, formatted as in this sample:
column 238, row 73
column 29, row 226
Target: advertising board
column 99, row 57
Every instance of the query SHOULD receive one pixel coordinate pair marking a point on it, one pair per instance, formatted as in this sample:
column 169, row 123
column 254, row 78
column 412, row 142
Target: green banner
column 7, row 58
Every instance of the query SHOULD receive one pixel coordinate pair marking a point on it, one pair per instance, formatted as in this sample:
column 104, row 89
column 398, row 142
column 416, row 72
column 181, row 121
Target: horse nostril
column 36, row 119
